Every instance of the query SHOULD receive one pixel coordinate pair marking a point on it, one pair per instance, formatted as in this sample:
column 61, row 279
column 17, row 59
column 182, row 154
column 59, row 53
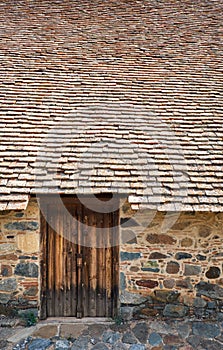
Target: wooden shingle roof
column 112, row 96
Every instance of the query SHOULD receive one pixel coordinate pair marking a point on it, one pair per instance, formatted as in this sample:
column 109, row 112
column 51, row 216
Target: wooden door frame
column 43, row 252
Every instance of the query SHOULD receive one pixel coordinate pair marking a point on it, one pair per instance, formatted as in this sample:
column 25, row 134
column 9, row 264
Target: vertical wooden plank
column 51, row 267
column 108, row 264
column 67, row 266
column 115, row 259
column 79, row 265
column 84, row 237
column 92, row 267
column 73, row 261
column 63, row 263
column 100, row 268
column 57, row 262
column 43, row 267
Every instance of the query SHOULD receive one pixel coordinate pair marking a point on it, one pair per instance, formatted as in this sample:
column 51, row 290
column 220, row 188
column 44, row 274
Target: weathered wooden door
column 79, row 261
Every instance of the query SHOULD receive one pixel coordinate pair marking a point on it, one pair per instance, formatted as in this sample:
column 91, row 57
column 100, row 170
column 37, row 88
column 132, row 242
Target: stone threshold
column 68, row 320
column 57, row 322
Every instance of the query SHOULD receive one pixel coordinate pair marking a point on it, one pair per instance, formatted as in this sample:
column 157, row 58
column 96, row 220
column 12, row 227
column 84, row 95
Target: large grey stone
column 80, row 344
column 22, row 226
column 126, row 313
column 141, row 332
column 191, row 270
column 100, row 346
column 183, row 329
column 161, row 327
column 183, row 255
column 8, row 285
column 119, row 346
column 194, row 340
column 199, row 302
column 126, row 256
column 3, row 344
column 155, row 339
column 129, row 338
column 62, row 344
column 111, row 337
column 122, row 281
column 27, row 270
column 6, row 247
column 137, row 347
column 93, row 330
column 211, row 344
column 132, row 298
column 173, row 310
column 4, row 298
column 220, row 316
column 39, row 344
column 210, row 290
column 205, row 329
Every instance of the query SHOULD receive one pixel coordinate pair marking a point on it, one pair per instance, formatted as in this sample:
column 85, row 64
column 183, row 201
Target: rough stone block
column 27, row 269
column 4, row 298
column 8, row 285
column 132, row 298
column 71, row 330
column 184, row 283
column 213, row 272
column 123, row 284
column 210, row 290
column 126, row 313
column 6, row 270
column 157, row 256
column 155, row 339
column 183, row 255
column 154, row 238
column 169, row 283
column 147, row 283
column 5, row 248
column 205, row 329
column 199, row 302
column 191, row 270
column 204, row 231
column 172, row 267
column 186, row 242
column 129, row 338
column 173, row 310
column 28, row 242
column 22, row 226
column 141, row 332
column 46, row 332
column 129, row 256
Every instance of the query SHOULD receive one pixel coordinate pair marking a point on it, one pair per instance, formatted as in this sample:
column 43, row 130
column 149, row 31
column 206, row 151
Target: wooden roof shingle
column 112, row 96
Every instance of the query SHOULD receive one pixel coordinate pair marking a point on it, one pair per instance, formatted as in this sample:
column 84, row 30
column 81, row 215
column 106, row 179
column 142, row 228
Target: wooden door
column 79, row 262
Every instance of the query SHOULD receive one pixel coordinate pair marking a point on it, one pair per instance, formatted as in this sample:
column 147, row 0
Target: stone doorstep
column 21, row 334
column 84, row 320
column 54, row 326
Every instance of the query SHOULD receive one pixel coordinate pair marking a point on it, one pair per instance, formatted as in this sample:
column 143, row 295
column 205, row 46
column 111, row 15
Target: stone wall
column 170, row 265
column 171, row 271
column 19, row 258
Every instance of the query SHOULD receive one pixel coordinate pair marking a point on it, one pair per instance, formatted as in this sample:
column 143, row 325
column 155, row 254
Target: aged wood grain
column 79, row 267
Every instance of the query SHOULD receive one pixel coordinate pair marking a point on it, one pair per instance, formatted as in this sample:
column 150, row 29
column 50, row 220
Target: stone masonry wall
column 170, row 265
column 171, row 271
column 19, row 258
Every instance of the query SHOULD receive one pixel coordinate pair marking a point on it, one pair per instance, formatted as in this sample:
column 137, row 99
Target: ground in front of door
column 138, row 335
